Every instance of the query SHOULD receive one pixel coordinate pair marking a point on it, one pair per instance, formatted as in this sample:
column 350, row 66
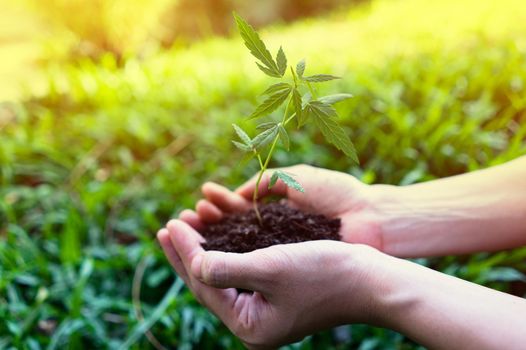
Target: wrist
column 367, row 285
column 393, row 288
column 411, row 223
column 387, row 210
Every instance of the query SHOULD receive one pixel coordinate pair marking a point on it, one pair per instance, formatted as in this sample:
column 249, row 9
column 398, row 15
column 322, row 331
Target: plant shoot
column 294, row 91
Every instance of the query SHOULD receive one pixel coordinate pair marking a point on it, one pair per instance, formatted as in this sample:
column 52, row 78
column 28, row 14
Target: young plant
column 302, row 105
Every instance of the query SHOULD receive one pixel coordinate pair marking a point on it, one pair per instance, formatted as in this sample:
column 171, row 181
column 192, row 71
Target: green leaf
column 265, row 137
column 257, row 47
column 284, row 137
column 306, row 99
column 503, row 274
column 70, row 249
column 331, row 99
column 300, row 68
column 330, row 129
column 269, row 72
column 272, row 89
column 323, row 108
column 281, row 60
column 273, row 180
column 296, row 100
column 288, row 180
column 313, row 108
column 142, row 327
column 271, row 103
column 319, row 78
column 242, row 135
column 242, row 147
column 78, row 292
column 67, row 328
column 265, row 126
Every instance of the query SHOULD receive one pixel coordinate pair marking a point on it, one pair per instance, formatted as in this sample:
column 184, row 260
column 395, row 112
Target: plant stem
column 311, row 90
column 294, row 77
column 264, row 167
column 259, row 159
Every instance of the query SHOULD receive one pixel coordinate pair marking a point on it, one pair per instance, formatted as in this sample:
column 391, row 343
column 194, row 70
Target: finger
column 232, row 270
column 171, row 254
column 208, row 212
column 247, row 189
column 186, row 242
column 224, row 199
column 192, row 219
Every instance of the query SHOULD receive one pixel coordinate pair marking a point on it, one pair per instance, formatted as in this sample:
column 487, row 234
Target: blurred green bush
column 90, row 170
column 79, row 28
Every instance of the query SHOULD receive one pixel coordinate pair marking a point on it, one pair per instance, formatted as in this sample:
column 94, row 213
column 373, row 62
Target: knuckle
column 215, row 271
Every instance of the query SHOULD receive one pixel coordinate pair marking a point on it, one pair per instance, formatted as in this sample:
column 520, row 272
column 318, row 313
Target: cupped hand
column 298, row 288
column 332, row 193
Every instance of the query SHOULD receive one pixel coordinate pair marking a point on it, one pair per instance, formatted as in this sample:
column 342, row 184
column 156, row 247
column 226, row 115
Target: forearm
column 480, row 211
column 444, row 312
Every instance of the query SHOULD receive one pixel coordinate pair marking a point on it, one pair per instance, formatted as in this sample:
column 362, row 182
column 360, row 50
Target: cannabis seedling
column 301, row 107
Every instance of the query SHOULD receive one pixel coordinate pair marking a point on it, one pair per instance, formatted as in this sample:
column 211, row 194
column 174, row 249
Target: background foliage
column 115, row 146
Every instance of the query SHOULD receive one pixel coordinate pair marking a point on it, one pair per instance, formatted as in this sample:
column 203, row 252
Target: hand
column 334, row 194
column 298, row 288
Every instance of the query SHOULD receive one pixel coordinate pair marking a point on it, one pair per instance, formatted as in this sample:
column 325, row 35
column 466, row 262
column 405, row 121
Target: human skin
column 291, row 297
column 306, row 287
column 474, row 212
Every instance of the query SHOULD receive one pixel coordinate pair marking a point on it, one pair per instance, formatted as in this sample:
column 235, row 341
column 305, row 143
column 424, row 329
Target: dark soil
column 241, row 232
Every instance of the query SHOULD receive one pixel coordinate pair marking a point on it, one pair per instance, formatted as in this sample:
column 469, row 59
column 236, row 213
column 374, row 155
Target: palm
column 337, row 195
column 331, row 193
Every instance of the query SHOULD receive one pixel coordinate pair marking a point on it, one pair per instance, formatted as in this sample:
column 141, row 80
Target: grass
column 91, row 169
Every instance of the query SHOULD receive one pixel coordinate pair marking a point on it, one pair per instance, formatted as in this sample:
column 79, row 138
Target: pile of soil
column 242, row 233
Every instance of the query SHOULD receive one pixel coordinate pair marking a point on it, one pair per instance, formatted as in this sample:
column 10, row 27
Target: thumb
column 231, row 270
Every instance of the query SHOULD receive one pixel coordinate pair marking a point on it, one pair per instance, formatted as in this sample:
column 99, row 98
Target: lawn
column 92, row 167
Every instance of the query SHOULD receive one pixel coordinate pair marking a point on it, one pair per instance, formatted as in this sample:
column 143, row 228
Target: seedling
column 302, row 105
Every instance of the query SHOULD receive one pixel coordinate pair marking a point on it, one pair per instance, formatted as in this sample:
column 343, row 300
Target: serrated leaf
column 319, row 78
column 265, row 137
column 281, row 60
column 284, row 137
column 298, row 108
column 271, row 103
column 276, row 88
column 256, row 46
column 323, row 108
column 242, row 135
column 265, row 126
column 307, row 111
column 273, row 180
column 269, row 72
column 288, row 180
column 306, row 99
column 241, row 146
column 313, row 108
column 331, row 99
column 333, row 132
column 300, row 68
